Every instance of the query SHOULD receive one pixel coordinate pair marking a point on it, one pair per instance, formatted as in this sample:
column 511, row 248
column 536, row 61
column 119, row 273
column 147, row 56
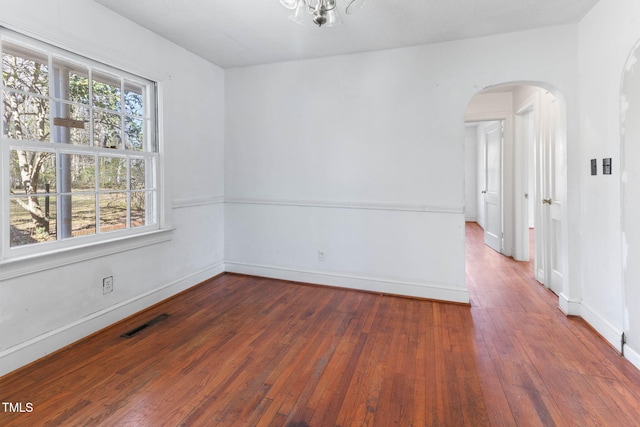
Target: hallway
column 553, row 369
column 498, row 281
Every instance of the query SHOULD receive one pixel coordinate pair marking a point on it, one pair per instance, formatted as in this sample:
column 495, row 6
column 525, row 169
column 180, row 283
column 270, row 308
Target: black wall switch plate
column 606, row 166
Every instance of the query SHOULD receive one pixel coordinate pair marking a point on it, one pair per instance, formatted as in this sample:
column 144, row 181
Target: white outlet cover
column 107, row 285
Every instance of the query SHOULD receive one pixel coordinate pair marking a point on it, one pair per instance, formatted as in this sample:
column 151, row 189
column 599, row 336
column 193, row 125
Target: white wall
column 362, row 156
column 607, row 35
column 43, row 311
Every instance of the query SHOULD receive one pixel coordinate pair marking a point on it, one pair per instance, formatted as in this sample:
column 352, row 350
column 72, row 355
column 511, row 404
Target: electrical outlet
column 321, row 256
column 107, row 285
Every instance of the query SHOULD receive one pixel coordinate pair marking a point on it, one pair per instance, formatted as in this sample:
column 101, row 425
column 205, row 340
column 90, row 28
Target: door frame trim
column 507, row 117
column 521, row 177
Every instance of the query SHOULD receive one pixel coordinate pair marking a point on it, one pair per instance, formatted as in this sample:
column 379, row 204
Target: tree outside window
column 81, row 150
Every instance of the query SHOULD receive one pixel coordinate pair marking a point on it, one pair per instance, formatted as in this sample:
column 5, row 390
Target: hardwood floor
column 245, row 351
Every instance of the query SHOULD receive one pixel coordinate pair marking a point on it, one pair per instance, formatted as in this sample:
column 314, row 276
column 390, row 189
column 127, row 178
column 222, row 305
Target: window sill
column 22, row 266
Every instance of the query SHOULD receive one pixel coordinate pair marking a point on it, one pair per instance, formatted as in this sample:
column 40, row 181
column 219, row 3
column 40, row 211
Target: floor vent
column 144, row 326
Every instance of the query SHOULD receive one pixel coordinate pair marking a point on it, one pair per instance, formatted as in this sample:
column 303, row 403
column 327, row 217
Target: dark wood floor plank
column 360, row 404
column 240, row 350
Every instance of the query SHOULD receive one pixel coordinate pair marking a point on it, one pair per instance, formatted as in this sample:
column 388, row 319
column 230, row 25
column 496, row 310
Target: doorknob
column 484, row 191
column 546, row 201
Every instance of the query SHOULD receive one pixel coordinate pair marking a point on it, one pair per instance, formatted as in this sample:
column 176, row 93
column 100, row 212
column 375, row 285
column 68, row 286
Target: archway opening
column 515, row 183
column 630, row 187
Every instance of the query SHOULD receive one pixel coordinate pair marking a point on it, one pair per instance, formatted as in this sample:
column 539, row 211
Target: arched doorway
column 629, row 155
column 531, row 174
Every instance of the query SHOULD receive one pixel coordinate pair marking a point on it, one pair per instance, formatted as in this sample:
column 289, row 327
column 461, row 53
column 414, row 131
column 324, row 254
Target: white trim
column 15, row 267
column 487, row 116
column 379, row 285
column 609, row 331
column 522, row 160
column 188, row 203
column 35, row 348
column 632, row 356
column 449, row 209
column 481, row 222
column 568, row 306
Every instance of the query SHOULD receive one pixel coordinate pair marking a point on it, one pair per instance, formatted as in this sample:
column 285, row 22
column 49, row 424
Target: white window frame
column 21, row 260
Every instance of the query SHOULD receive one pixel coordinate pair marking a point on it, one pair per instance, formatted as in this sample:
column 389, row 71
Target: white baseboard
column 568, row 306
column 609, row 331
column 632, row 356
column 40, row 346
column 383, row 286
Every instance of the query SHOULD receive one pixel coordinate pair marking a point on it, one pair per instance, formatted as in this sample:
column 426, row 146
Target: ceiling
column 233, row 33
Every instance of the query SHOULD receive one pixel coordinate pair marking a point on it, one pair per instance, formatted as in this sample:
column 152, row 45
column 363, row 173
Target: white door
column 550, row 195
column 493, row 187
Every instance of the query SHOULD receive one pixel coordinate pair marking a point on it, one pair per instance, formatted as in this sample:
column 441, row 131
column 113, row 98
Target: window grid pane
column 60, row 193
column 25, row 70
column 83, row 214
column 32, row 172
column 114, row 212
column 32, row 220
column 26, row 117
column 140, row 216
column 107, row 93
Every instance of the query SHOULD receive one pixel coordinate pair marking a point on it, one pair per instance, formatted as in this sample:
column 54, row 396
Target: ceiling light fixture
column 325, row 12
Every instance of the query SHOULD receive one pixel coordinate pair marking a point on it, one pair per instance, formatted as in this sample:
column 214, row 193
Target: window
column 79, row 152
